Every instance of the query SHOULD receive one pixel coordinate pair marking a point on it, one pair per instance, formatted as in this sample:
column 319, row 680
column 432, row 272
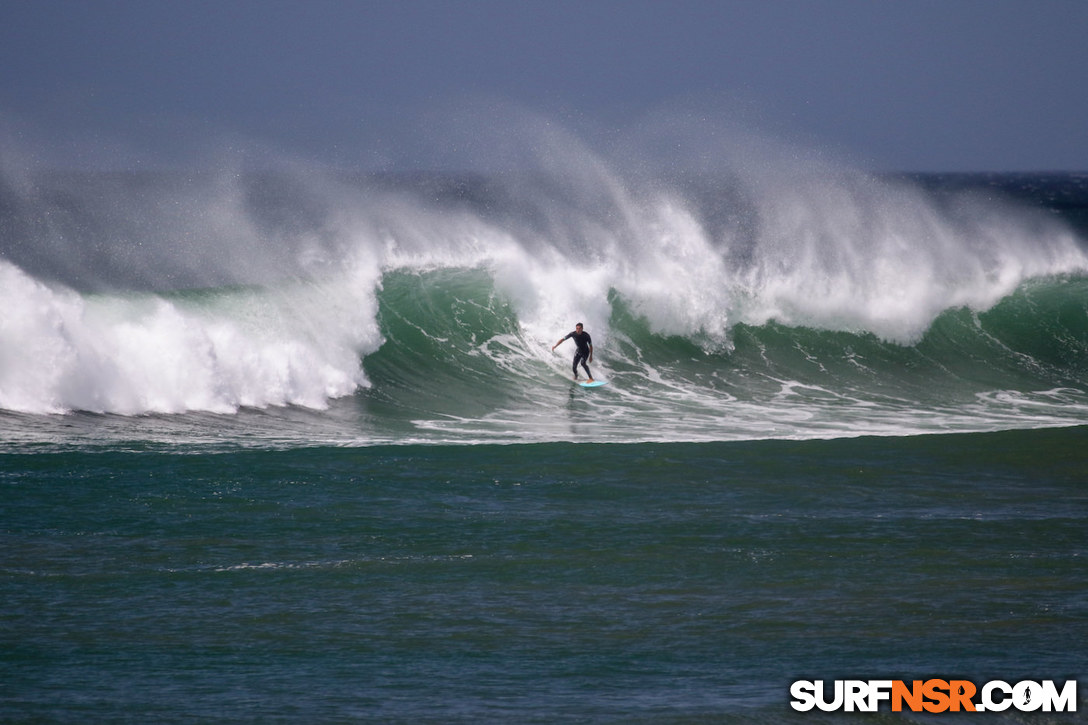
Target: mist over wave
column 168, row 292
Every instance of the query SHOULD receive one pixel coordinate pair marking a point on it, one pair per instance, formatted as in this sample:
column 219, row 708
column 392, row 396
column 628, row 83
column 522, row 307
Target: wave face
column 777, row 303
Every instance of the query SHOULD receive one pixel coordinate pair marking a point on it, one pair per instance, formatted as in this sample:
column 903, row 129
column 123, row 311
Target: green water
column 665, row 582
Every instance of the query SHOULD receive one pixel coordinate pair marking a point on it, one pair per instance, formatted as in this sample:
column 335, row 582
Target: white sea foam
column 133, row 354
column 803, row 243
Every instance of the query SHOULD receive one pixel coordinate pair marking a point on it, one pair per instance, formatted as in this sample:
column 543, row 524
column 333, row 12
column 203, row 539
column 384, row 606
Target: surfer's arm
column 591, row 352
column 557, row 344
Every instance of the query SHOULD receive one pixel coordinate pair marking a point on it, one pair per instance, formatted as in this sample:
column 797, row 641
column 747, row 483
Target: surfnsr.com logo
column 934, row 696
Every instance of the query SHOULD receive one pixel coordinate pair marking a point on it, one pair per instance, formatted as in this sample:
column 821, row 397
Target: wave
column 782, row 302
column 480, row 375
column 173, row 353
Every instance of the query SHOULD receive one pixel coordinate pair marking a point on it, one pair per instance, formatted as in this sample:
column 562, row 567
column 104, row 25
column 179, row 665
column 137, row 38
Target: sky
column 904, row 85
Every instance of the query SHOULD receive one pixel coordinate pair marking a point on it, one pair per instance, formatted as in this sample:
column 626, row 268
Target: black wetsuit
column 581, row 355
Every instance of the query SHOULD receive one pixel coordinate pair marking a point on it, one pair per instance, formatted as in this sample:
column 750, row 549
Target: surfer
column 584, row 351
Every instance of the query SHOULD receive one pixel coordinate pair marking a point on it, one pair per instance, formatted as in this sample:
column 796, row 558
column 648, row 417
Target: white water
column 133, row 354
column 809, row 245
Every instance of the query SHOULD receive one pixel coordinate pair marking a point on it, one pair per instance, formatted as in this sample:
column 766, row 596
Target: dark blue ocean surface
column 293, row 446
column 549, row 582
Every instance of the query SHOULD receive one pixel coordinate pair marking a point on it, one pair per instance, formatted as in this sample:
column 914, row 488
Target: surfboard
column 594, row 384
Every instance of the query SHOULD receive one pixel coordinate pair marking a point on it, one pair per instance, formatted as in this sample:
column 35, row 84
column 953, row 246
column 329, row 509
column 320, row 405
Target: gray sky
column 908, row 85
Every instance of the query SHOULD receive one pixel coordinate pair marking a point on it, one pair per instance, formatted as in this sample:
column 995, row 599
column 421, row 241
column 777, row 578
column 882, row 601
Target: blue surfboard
column 594, row 384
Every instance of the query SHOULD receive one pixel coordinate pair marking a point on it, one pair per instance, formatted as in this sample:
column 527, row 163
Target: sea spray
column 848, row 251
column 172, row 292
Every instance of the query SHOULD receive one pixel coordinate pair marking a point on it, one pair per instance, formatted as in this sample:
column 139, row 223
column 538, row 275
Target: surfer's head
column 578, row 326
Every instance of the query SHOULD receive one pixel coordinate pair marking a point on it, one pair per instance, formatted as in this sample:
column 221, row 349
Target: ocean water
column 292, row 445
